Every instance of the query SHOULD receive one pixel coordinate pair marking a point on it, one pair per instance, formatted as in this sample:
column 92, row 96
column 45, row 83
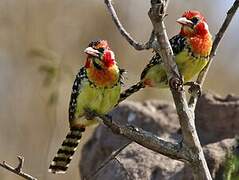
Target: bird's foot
column 194, row 89
column 176, row 83
column 180, row 138
column 90, row 114
column 109, row 117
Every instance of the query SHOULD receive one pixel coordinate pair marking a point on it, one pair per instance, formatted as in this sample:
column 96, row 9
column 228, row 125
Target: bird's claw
column 109, row 117
column 89, row 114
column 194, row 88
column 176, row 84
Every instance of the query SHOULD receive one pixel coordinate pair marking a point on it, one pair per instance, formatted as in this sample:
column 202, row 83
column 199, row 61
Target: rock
column 138, row 163
column 216, row 119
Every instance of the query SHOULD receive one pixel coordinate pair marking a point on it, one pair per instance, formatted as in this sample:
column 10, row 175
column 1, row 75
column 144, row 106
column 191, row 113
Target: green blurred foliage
column 231, row 170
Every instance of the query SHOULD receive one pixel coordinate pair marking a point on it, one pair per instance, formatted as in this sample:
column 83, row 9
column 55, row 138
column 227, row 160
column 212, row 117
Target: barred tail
column 64, row 155
column 131, row 90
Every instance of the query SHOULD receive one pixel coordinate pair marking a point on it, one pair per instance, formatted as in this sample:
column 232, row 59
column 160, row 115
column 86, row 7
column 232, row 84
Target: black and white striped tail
column 64, row 155
column 131, row 90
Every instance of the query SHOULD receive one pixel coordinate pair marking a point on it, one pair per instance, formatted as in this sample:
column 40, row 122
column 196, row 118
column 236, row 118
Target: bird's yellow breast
column 100, row 100
column 188, row 66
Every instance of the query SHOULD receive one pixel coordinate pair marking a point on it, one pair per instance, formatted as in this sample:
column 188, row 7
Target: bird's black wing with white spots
column 75, row 92
column 177, row 42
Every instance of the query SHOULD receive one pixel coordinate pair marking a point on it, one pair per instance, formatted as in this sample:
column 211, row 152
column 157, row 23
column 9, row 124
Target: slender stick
column 110, row 158
column 18, row 169
column 124, row 33
column 202, row 75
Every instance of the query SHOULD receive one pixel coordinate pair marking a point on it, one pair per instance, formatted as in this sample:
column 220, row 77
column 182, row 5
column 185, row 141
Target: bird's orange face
column 193, row 24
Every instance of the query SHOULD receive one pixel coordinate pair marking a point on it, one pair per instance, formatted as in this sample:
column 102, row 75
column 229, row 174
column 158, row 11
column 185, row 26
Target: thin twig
column 202, row 75
column 110, row 158
column 18, row 169
column 124, row 33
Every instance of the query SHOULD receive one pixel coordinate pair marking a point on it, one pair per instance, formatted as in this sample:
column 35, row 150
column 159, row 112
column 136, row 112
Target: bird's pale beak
column 92, row 52
column 184, row 21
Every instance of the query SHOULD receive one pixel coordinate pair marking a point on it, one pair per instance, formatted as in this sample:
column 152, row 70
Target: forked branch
column 190, row 149
column 18, row 169
column 186, row 117
column 125, row 34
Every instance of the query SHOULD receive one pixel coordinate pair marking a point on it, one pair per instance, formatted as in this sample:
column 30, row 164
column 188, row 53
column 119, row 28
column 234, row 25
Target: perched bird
column 191, row 48
column 96, row 88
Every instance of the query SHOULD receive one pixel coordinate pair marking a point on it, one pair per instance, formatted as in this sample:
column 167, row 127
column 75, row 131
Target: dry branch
column 186, row 117
column 146, row 139
column 103, row 164
column 124, row 33
column 18, row 169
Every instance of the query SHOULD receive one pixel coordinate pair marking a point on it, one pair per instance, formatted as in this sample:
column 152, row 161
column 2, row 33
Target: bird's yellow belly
column 100, row 100
column 188, row 66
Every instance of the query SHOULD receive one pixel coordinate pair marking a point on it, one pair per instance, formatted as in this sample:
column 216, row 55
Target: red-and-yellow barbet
column 191, row 48
column 96, row 88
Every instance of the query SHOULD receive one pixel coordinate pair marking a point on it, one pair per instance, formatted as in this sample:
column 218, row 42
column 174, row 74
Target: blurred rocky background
column 41, row 48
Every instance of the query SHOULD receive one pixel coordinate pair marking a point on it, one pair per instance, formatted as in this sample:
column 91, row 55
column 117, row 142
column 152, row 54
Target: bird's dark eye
column 101, row 50
column 194, row 20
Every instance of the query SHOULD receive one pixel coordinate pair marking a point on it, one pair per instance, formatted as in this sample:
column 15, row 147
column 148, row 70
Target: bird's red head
column 99, row 55
column 193, row 24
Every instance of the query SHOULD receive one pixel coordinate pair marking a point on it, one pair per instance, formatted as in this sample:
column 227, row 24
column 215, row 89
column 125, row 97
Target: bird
column 96, row 88
column 191, row 47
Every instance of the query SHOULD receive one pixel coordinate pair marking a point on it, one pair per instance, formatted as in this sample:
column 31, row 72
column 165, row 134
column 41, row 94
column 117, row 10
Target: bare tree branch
column 146, row 139
column 202, row 75
column 124, row 33
column 18, row 169
column 186, row 117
